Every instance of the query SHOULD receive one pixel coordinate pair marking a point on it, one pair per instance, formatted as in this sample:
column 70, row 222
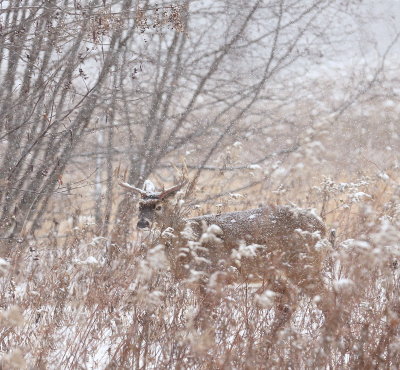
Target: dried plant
column 236, row 96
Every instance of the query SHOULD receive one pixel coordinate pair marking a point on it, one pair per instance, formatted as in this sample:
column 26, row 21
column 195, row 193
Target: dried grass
column 67, row 305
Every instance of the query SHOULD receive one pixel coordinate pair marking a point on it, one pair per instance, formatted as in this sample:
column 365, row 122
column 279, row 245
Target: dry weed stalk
column 80, row 312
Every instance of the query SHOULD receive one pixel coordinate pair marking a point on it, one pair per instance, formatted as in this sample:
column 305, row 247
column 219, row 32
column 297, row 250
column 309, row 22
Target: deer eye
column 158, row 208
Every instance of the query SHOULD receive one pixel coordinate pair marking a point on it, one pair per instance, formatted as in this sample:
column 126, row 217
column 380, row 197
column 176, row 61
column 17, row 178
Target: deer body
column 271, row 225
column 256, row 245
column 280, row 246
column 282, row 240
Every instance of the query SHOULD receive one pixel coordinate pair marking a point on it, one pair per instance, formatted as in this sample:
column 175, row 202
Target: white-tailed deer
column 280, row 246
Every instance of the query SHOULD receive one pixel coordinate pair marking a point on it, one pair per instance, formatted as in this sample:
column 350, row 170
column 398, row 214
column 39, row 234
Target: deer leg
column 325, row 302
column 284, row 308
column 207, row 301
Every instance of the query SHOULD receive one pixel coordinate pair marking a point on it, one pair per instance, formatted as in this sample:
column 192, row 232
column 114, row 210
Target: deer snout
column 143, row 223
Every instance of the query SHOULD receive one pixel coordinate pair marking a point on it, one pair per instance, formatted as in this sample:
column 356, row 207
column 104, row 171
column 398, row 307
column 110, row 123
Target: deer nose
column 143, row 224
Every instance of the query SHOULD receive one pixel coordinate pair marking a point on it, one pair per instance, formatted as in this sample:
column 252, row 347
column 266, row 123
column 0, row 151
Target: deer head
column 153, row 204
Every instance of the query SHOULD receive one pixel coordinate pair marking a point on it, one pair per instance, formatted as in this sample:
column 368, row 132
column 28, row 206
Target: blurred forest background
column 93, row 90
column 261, row 101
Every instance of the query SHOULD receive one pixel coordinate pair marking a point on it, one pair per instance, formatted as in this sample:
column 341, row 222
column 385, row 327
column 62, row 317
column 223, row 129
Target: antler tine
column 171, row 190
column 132, row 188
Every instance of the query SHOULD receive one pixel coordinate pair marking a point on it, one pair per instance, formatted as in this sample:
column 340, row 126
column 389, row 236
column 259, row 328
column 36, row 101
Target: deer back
column 266, row 225
column 261, row 243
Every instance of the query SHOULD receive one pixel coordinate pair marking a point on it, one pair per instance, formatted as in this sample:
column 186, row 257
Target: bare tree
column 161, row 79
column 47, row 100
column 208, row 82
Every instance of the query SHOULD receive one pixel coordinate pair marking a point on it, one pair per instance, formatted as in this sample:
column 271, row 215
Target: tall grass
column 69, row 305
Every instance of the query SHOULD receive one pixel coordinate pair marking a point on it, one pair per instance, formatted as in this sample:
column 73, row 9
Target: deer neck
column 172, row 218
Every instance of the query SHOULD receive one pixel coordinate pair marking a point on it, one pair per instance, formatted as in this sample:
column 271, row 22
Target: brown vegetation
column 72, row 308
column 236, row 98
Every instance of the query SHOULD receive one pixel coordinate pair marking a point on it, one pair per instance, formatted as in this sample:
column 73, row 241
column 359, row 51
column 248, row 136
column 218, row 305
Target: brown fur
column 279, row 246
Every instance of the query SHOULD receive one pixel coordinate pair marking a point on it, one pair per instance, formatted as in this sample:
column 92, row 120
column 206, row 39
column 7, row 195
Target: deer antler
column 132, row 188
column 173, row 189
